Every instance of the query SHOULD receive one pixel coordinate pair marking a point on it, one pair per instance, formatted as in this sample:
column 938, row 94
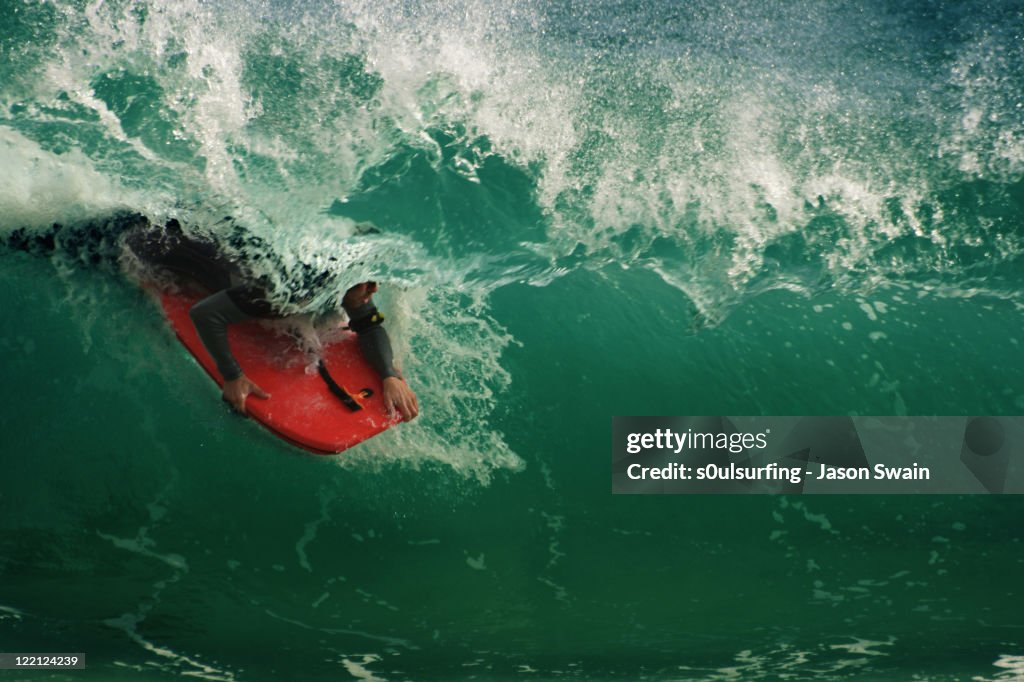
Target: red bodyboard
column 301, row 408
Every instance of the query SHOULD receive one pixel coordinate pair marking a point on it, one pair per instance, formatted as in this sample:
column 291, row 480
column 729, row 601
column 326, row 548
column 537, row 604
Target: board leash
column 345, row 397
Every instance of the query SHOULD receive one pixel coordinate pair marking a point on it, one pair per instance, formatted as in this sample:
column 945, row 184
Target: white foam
column 358, row 669
column 987, row 135
column 141, row 545
column 41, row 187
column 452, row 356
column 182, row 664
column 310, row 530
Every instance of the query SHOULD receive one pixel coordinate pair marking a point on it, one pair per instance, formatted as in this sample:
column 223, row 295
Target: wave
column 729, row 151
column 707, row 146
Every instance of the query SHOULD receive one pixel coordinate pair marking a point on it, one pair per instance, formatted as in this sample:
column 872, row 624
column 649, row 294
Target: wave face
column 581, row 210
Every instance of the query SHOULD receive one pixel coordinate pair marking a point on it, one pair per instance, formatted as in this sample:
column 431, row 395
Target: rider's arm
column 212, row 315
column 373, row 339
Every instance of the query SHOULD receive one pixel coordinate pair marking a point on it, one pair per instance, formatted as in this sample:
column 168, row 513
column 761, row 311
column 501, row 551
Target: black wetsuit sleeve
column 374, row 343
column 212, row 315
column 376, row 347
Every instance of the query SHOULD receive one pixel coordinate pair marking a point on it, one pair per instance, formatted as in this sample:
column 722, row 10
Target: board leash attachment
column 339, row 391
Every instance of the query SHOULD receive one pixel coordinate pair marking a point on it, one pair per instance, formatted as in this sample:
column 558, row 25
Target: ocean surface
column 582, row 209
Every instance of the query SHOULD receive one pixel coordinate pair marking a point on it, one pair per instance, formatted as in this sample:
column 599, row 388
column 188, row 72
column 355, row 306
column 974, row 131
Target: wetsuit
column 236, row 299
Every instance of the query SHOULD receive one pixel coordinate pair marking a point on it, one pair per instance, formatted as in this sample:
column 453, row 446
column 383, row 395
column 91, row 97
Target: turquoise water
column 585, row 210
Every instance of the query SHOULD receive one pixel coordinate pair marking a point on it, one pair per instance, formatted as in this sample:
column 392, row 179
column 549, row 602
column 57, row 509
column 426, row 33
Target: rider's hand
column 237, row 390
column 398, row 397
column 359, row 295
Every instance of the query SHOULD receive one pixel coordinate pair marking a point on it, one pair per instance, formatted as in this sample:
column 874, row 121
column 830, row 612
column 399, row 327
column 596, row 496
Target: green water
column 585, row 211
